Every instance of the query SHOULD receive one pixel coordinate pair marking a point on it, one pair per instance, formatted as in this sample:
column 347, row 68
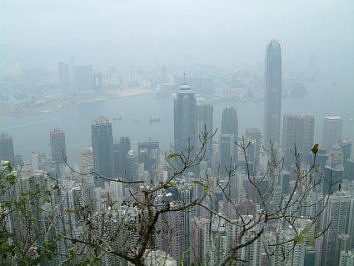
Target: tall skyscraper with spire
column 272, row 93
column 185, row 122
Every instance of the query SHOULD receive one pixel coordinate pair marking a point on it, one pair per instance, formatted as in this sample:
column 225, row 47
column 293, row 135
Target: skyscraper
column 86, row 160
column 205, row 122
column 133, row 165
column 102, row 148
column 297, row 130
column 229, row 125
column 334, row 170
column 228, row 164
column 148, row 153
column 227, row 153
column 185, row 126
column 120, row 152
column 332, row 131
column 174, row 228
column 57, row 145
column 253, row 136
column 7, row 149
column 272, row 93
column 336, row 214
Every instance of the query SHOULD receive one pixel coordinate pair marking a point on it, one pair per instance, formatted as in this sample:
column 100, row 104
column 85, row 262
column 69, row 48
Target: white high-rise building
column 337, row 214
column 346, row 258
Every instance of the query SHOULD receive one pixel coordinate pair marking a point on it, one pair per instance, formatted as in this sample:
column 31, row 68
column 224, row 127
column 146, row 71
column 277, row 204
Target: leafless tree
column 88, row 231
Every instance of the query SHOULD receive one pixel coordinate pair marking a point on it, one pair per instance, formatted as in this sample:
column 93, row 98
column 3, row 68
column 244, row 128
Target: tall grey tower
column 57, row 145
column 102, row 148
column 205, row 122
column 298, row 130
column 253, row 137
column 7, row 148
column 272, row 93
column 229, row 125
column 185, row 122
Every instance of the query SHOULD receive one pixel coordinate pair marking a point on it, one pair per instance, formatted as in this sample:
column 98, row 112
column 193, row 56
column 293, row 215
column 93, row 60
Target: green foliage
column 24, row 242
column 315, row 148
column 303, row 237
column 171, row 155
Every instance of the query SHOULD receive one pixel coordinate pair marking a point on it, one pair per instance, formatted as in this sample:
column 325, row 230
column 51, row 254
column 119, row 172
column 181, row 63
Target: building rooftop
column 185, row 87
column 333, row 117
column 101, row 120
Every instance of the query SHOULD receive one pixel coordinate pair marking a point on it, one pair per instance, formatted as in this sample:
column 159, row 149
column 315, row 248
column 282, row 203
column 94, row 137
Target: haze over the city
column 177, row 132
column 144, row 33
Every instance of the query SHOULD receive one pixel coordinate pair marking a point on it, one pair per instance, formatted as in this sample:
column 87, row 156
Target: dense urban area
column 176, row 164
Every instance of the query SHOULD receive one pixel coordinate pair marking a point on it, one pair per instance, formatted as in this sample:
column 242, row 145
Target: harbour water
column 31, row 133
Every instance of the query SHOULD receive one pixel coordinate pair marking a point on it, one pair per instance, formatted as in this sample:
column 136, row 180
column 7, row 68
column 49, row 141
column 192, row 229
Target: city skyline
column 177, row 133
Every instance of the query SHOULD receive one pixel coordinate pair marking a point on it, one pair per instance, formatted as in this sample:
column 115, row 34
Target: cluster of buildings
column 82, row 77
column 212, row 235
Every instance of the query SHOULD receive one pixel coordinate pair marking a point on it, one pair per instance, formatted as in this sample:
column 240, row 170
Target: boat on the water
column 154, row 119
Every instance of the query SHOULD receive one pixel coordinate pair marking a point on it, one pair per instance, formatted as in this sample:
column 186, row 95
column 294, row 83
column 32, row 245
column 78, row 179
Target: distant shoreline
column 51, row 107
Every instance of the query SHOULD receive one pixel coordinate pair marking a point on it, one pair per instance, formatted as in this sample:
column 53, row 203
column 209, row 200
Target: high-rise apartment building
column 337, row 215
column 272, row 93
column 332, row 131
column 7, row 149
column 216, row 242
column 346, row 258
column 298, row 130
column 174, row 228
column 185, row 125
column 57, row 145
column 102, row 148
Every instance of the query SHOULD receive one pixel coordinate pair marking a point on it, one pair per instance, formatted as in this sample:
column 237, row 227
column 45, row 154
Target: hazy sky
column 166, row 30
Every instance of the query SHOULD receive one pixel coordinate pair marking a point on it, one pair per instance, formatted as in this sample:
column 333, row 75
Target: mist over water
column 31, row 133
